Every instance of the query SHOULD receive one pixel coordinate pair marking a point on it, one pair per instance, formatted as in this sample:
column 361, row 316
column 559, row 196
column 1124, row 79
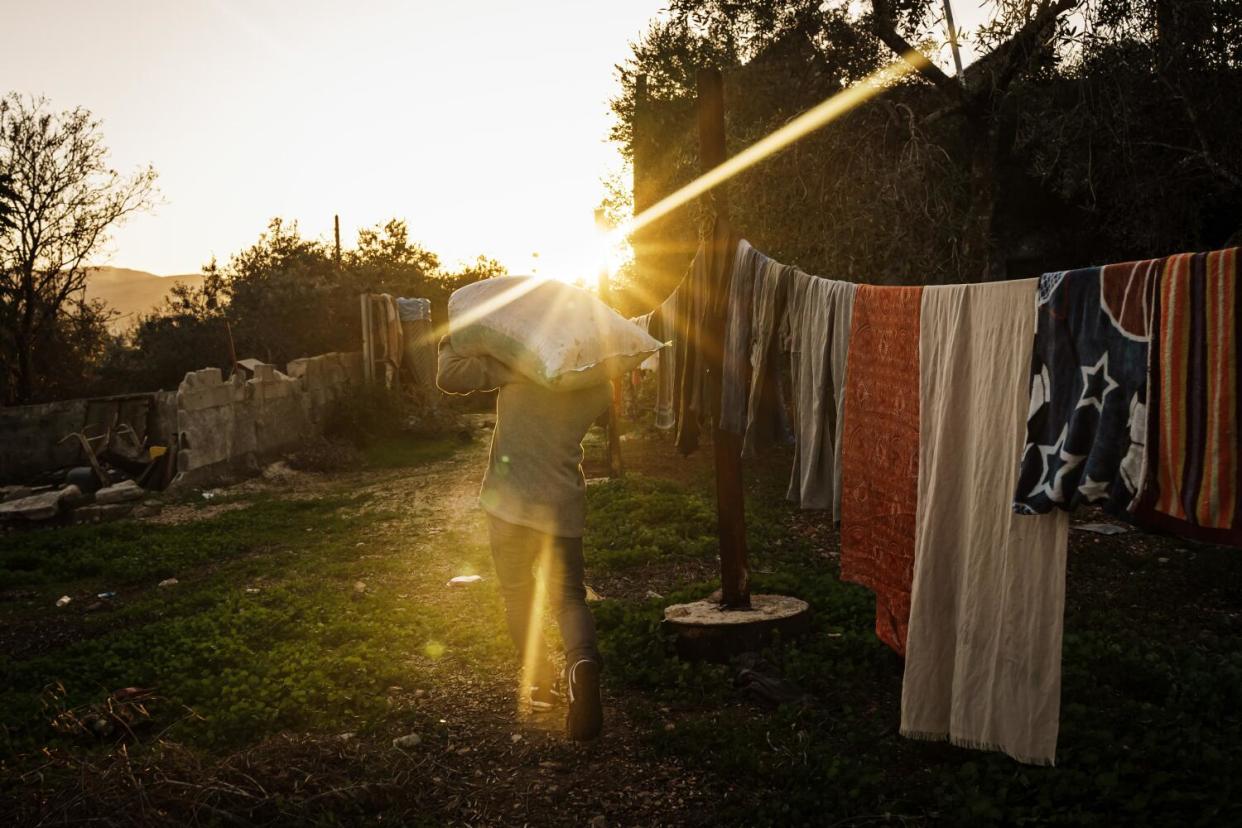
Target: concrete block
column 123, row 492
column 38, row 507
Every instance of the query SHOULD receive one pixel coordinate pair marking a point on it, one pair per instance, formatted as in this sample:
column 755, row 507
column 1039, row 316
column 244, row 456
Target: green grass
column 128, row 551
column 307, row 651
column 1150, row 727
column 638, row 520
column 408, row 451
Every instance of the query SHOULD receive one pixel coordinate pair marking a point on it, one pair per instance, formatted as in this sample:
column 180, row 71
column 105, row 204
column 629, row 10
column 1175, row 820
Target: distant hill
column 132, row 292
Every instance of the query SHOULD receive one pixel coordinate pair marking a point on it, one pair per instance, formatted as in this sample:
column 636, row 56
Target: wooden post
column 368, row 353
column 336, row 231
column 727, row 447
column 605, row 296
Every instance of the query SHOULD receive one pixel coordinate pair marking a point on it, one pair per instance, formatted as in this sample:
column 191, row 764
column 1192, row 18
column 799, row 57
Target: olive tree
column 63, row 200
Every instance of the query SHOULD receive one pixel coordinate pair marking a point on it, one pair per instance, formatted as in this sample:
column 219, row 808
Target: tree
column 65, row 201
column 1104, row 134
column 7, row 197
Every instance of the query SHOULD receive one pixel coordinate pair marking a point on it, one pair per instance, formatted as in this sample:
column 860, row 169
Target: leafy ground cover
column 311, row 625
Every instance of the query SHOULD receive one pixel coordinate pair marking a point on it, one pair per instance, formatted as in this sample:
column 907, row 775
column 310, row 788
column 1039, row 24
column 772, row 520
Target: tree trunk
column 23, row 339
column 25, row 380
column 978, row 246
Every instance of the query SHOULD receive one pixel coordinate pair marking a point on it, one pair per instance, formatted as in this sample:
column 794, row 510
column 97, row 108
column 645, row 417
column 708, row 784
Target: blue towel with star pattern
column 1087, row 422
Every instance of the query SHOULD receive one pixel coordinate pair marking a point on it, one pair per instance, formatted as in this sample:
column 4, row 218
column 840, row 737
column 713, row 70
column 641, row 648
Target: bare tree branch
column 886, row 29
column 64, row 202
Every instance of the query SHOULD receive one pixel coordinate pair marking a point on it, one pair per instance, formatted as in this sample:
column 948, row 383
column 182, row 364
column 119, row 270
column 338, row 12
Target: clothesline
column 989, row 412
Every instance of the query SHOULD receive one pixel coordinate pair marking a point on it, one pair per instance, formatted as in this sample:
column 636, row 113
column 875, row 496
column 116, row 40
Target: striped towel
column 1192, row 473
column 880, row 453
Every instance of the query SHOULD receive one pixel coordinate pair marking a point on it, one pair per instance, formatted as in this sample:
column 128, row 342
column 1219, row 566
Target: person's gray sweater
column 534, row 474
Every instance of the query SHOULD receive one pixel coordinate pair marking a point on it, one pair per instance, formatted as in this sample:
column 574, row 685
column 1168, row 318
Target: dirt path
column 490, row 761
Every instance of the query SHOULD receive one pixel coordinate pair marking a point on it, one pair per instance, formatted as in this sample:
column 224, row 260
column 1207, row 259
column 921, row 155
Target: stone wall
column 227, row 428
column 217, row 428
column 32, row 437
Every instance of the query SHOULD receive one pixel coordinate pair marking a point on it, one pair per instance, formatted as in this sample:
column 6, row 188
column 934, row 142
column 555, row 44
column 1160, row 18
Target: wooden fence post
column 727, row 447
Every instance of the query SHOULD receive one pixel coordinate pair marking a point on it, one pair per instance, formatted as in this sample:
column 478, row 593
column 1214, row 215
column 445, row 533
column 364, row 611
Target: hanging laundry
column 819, row 320
column 983, row 654
column 703, row 305
column 689, row 323
column 1193, row 471
column 766, row 421
column 1087, row 424
column 735, row 363
column 880, row 453
column 663, row 329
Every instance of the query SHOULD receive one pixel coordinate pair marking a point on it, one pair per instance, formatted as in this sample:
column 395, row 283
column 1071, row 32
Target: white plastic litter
column 410, row 740
column 1103, row 528
column 551, row 332
column 462, row 580
column 63, row 601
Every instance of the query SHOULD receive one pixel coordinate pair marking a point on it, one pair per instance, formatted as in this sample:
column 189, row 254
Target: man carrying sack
column 549, row 350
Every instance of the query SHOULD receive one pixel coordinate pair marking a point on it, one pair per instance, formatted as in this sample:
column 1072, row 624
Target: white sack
column 553, row 333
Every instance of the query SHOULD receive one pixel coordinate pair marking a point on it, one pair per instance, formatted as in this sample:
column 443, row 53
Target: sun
column 579, row 259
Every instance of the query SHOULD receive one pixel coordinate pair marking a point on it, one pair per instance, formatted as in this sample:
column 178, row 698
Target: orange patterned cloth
column 1193, row 470
column 880, row 455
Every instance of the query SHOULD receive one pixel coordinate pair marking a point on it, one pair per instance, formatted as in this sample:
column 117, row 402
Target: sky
column 483, row 124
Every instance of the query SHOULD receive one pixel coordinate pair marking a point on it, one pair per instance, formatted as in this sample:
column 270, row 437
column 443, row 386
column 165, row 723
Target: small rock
column 168, row 582
column 515, row 738
column 101, row 727
column 651, row 593
column 145, row 511
column 279, row 472
column 63, row 601
column 360, row 587
column 410, row 740
column 592, row 595
column 123, row 492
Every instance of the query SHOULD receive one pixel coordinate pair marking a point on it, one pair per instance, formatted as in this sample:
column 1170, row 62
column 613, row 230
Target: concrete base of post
column 705, row 631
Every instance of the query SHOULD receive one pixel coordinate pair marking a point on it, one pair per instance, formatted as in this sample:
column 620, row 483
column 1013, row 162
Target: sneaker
column 543, row 699
column 586, row 714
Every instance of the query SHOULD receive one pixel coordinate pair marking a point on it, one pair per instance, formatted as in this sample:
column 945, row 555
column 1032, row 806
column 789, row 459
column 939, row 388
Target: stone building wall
column 217, row 428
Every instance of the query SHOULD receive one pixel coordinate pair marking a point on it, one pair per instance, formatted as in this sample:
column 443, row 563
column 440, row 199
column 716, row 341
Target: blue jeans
column 518, row 552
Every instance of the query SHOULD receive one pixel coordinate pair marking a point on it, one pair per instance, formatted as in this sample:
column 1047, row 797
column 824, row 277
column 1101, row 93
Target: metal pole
column 957, row 55
column 727, row 447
